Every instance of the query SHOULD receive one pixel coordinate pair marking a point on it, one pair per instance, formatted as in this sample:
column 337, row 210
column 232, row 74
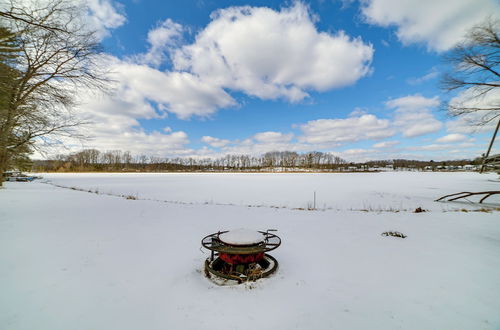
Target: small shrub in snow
column 394, row 234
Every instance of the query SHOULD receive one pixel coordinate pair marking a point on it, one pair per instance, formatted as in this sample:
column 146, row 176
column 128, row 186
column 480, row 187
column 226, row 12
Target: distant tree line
column 117, row 160
column 92, row 160
column 419, row 164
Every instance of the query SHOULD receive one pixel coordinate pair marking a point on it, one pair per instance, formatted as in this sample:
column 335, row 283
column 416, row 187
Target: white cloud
column 475, row 121
column 385, row 144
column 180, row 93
column 272, row 137
column 450, row 138
column 356, row 151
column 256, row 149
column 114, row 125
column 100, row 16
column 427, row 153
column 363, row 155
column 485, row 100
column 413, row 102
column 115, row 117
column 364, row 127
column 440, row 24
column 358, row 112
column 109, row 131
column 215, row 142
column 257, row 144
column 139, row 142
column 162, row 39
column 104, row 15
column 136, row 88
column 323, row 134
column 468, row 124
column 440, row 147
column 432, row 74
column 264, row 142
column 272, row 54
column 258, row 51
column 413, row 115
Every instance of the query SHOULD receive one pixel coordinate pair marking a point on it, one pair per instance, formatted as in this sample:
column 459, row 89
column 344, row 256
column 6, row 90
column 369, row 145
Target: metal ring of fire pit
column 240, row 262
column 213, row 243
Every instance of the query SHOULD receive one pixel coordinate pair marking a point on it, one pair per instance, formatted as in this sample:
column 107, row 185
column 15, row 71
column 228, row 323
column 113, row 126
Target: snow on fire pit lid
column 241, row 236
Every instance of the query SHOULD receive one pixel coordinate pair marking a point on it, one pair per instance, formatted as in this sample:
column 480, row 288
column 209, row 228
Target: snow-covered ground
column 388, row 191
column 75, row 260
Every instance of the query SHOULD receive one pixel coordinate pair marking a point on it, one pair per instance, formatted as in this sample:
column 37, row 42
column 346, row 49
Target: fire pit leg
column 207, row 272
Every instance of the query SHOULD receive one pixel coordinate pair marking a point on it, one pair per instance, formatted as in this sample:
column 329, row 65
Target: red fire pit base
column 219, row 269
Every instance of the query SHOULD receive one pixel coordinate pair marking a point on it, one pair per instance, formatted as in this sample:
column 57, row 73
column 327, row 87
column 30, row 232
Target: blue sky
column 204, row 78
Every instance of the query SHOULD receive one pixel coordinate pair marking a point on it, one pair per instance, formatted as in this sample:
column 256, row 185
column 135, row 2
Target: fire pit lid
column 242, row 236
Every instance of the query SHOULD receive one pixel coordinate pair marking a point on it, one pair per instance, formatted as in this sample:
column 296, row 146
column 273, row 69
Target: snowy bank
column 75, row 260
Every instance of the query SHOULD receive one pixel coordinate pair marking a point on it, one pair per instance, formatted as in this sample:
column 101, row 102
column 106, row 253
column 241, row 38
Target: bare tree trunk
column 3, row 164
column 489, row 148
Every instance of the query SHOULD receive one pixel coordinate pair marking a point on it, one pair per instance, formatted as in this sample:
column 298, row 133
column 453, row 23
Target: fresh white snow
column 340, row 191
column 76, row 260
column 241, row 236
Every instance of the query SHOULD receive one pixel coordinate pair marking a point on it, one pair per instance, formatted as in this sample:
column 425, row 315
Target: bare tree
column 476, row 72
column 476, row 64
column 55, row 56
column 50, row 11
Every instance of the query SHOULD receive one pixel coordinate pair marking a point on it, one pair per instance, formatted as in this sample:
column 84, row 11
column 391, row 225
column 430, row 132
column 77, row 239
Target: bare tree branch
column 46, row 54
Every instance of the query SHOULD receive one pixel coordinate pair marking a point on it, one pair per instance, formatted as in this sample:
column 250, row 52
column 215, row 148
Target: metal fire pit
column 240, row 255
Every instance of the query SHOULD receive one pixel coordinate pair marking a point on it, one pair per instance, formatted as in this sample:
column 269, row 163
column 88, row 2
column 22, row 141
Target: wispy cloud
column 413, row 115
column 385, row 144
column 452, row 138
column 438, row 24
column 431, row 75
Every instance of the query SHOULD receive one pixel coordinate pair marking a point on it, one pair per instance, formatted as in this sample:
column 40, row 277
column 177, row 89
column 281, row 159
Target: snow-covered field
column 341, row 191
column 72, row 260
